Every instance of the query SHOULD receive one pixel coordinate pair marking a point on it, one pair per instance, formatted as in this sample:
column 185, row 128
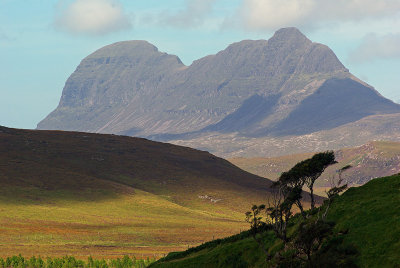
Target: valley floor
column 140, row 225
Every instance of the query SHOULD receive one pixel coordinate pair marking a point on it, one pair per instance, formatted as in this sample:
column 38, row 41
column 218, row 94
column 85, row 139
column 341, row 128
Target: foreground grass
column 72, row 262
column 369, row 213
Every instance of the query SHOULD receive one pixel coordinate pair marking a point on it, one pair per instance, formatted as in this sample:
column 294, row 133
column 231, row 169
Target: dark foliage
column 313, row 237
column 234, row 261
column 335, row 253
column 309, row 238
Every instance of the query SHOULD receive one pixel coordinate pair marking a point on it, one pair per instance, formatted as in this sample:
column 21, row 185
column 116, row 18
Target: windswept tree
column 312, row 237
column 306, row 173
column 279, row 209
column 313, row 169
column 278, row 212
column 292, row 182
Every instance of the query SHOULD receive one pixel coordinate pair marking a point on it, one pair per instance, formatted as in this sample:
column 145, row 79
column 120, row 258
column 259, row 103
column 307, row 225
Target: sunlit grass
column 138, row 223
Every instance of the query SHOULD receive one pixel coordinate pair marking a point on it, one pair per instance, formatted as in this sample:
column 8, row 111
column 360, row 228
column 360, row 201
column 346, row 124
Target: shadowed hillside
column 107, row 195
column 139, row 163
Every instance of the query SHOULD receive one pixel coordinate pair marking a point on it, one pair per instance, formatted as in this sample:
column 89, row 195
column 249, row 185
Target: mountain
column 367, row 213
column 105, row 195
column 282, row 87
column 371, row 160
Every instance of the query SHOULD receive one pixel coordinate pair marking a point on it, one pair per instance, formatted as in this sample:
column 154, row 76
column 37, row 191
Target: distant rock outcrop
column 286, row 86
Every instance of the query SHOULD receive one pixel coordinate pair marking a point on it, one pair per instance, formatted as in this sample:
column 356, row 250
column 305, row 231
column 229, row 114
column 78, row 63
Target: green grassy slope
column 370, row 212
column 104, row 195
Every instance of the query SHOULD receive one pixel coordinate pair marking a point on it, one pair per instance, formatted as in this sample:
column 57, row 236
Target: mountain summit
column 286, row 85
column 289, row 37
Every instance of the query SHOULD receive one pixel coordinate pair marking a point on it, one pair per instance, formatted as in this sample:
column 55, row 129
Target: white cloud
column 93, row 17
column 375, row 47
column 273, row 14
column 192, row 15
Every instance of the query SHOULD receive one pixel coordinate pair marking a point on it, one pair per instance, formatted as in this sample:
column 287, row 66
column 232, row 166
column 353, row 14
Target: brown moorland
column 107, row 196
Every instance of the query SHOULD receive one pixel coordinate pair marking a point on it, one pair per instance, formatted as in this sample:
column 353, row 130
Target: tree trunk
column 300, row 206
column 312, row 196
column 326, row 210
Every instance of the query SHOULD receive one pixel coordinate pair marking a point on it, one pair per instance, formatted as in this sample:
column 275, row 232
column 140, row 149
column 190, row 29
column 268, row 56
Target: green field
column 370, row 213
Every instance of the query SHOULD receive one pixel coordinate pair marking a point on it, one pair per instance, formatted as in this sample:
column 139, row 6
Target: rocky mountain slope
column 229, row 145
column 371, row 160
column 282, row 87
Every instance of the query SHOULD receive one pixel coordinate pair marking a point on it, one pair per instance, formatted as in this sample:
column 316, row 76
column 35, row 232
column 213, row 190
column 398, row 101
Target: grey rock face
column 287, row 85
column 109, row 81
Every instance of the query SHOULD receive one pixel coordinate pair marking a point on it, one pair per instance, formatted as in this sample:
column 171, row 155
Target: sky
column 43, row 41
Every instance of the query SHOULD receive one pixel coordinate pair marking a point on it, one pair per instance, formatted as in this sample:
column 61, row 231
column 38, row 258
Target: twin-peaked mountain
column 284, row 86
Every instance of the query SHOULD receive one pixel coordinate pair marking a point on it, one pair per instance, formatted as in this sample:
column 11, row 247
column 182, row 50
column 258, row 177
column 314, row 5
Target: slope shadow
column 91, row 164
column 335, row 103
column 253, row 110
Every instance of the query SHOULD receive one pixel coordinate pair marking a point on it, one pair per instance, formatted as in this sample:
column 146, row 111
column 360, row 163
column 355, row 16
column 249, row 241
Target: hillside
column 105, row 195
column 259, row 90
column 372, row 160
column 369, row 213
column 231, row 145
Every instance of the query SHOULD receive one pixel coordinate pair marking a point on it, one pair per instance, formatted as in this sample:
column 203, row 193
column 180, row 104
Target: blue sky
column 42, row 42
